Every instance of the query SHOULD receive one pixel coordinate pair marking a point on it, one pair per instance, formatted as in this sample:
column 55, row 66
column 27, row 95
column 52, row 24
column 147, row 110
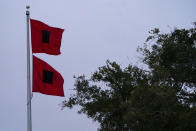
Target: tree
column 103, row 97
column 132, row 99
column 173, row 52
column 171, row 58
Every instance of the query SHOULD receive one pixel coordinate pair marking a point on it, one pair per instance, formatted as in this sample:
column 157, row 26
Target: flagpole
column 29, row 119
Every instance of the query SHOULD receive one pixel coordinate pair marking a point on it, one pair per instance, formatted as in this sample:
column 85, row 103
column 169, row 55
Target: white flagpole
column 29, row 119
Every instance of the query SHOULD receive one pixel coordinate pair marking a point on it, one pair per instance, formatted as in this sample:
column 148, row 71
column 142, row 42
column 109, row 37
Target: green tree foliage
column 172, row 60
column 132, row 99
column 173, row 53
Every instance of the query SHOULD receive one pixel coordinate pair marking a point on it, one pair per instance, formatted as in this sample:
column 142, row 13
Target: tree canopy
column 133, row 99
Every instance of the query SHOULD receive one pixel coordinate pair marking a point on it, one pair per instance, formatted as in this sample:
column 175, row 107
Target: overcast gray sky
column 96, row 30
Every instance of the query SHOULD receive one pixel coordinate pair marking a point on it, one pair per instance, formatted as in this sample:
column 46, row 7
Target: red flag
column 45, row 39
column 46, row 79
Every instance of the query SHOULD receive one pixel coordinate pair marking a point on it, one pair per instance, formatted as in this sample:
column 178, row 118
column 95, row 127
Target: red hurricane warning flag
column 45, row 39
column 46, row 80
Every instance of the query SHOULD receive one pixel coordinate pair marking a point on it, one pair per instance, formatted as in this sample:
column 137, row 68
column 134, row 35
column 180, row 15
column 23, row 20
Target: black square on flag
column 47, row 76
column 45, row 36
